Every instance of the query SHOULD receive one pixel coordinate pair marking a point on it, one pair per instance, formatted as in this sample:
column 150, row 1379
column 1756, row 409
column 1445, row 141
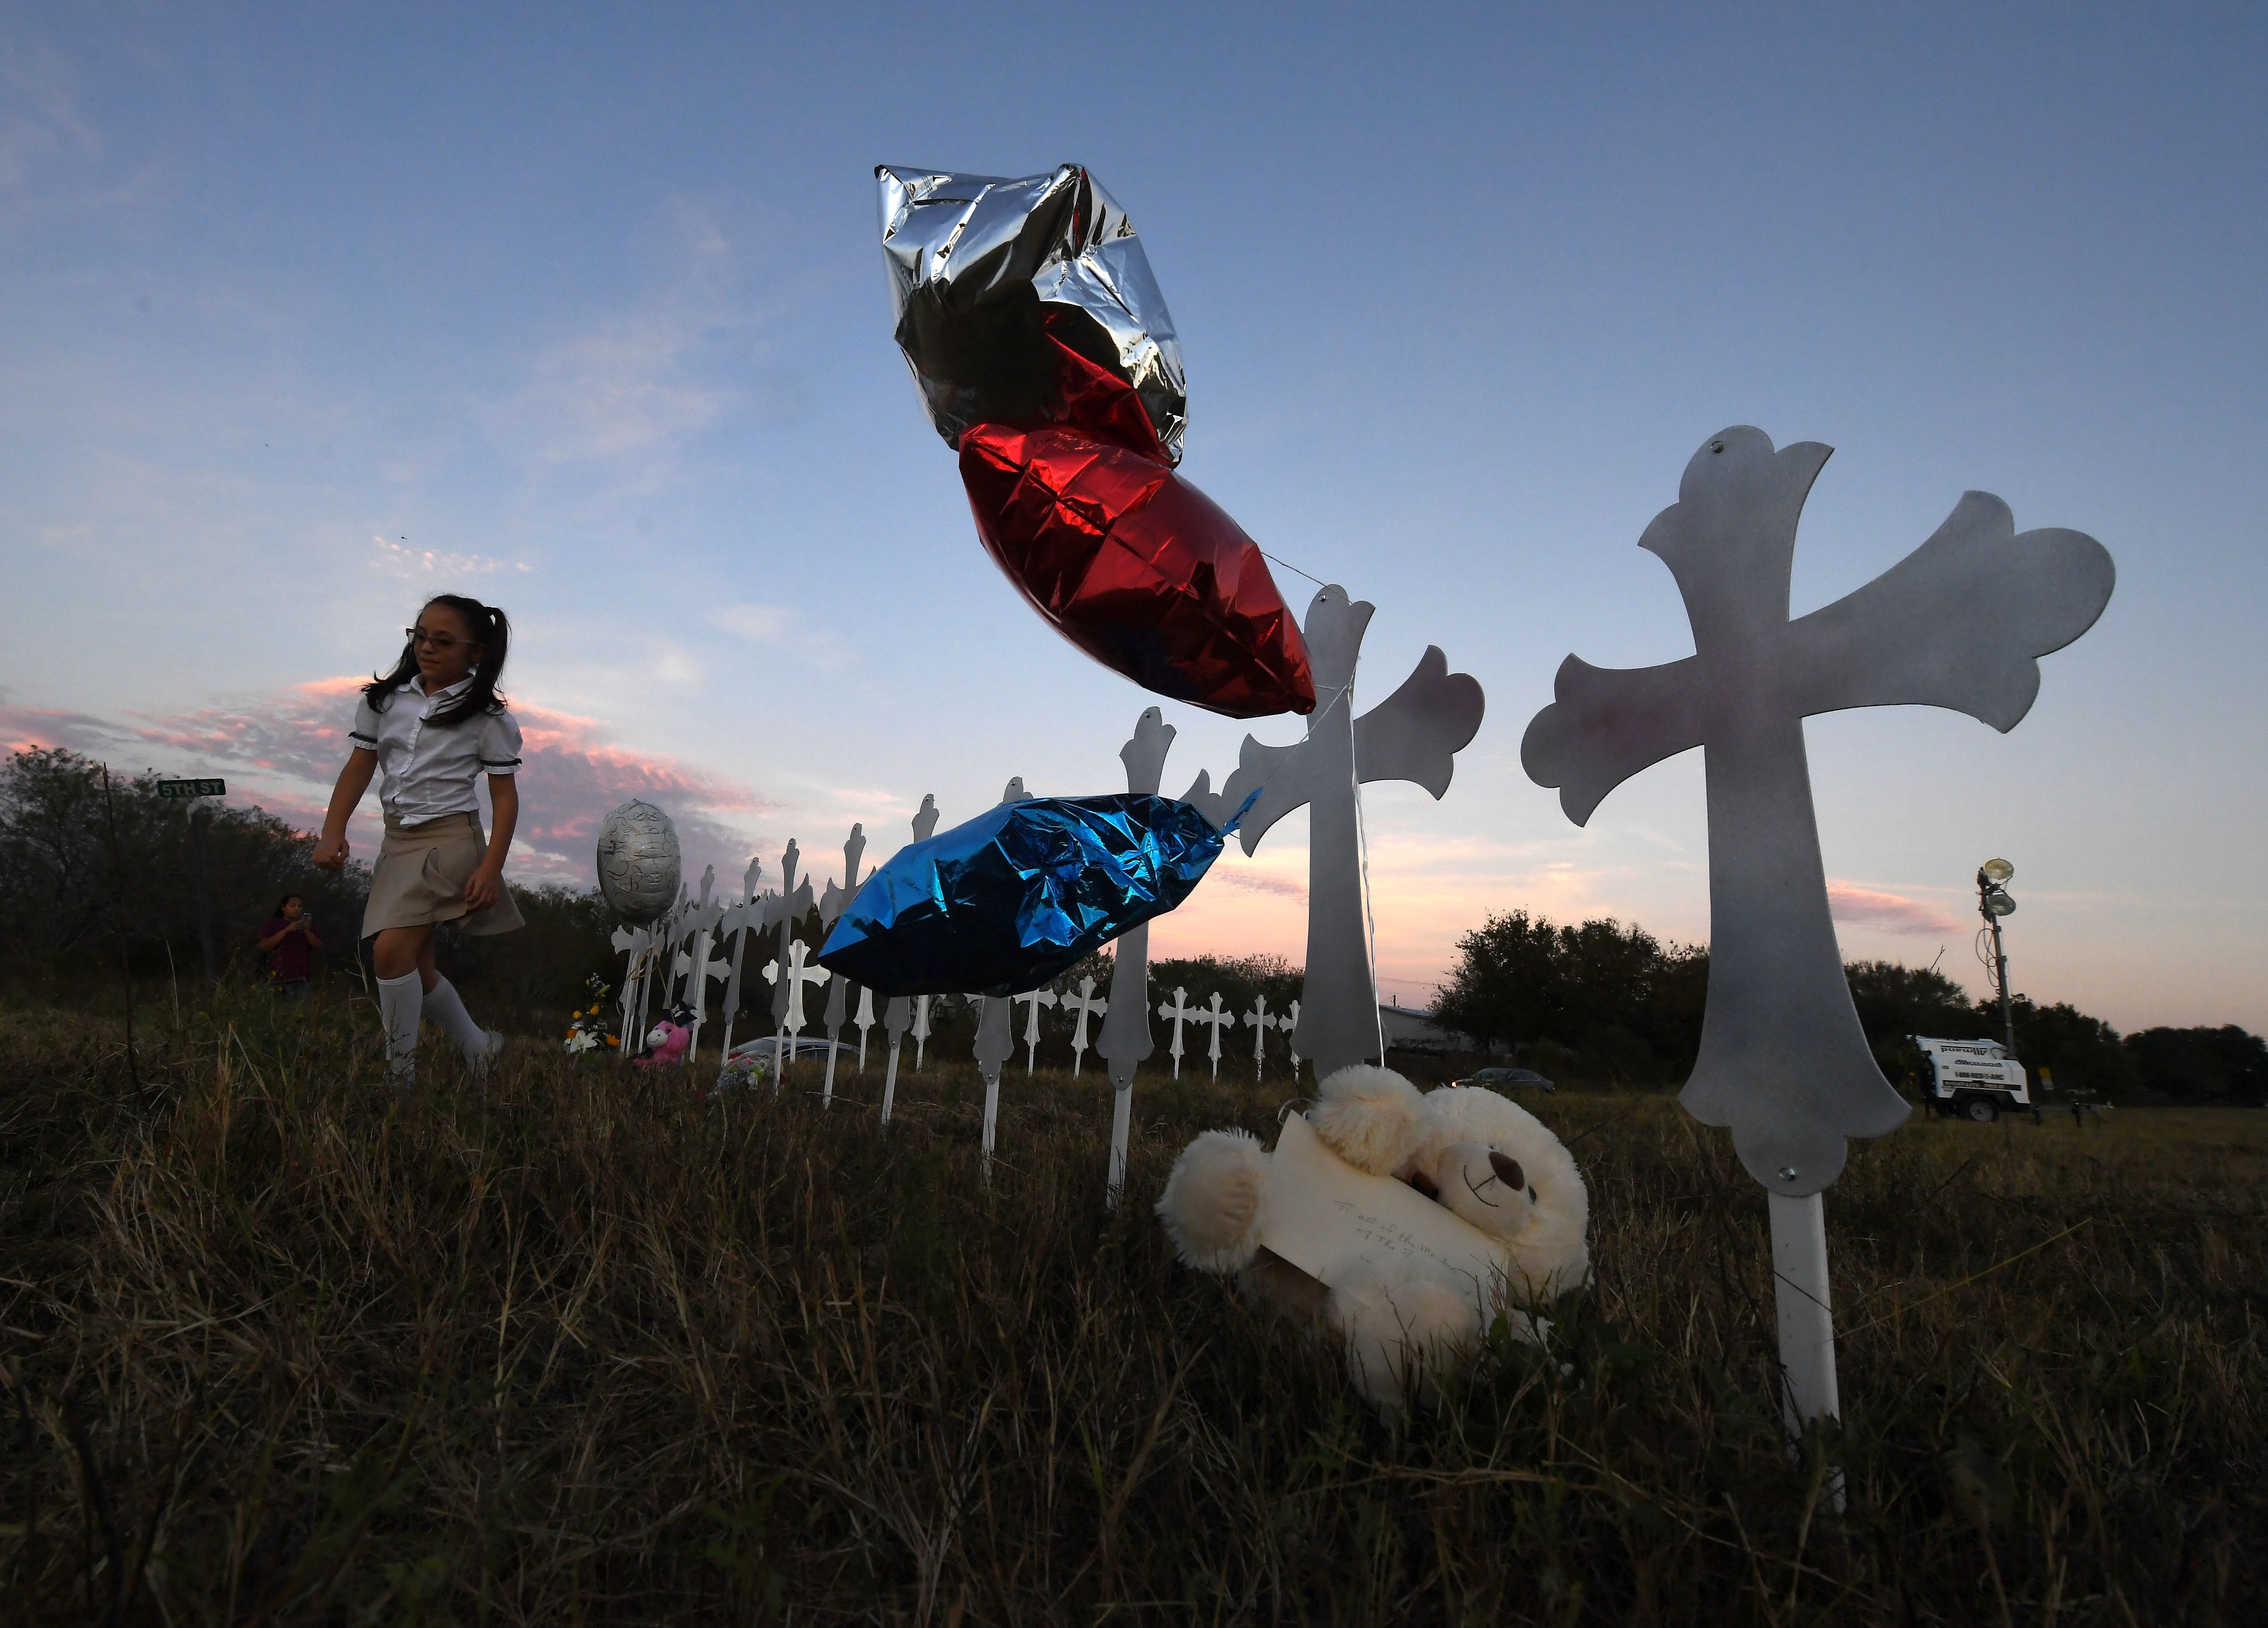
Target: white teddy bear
column 1485, row 1159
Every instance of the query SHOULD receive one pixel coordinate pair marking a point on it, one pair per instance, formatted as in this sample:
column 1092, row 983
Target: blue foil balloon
column 1020, row 893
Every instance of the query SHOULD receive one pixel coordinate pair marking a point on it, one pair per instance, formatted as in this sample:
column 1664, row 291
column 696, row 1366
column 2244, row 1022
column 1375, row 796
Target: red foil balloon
column 1132, row 564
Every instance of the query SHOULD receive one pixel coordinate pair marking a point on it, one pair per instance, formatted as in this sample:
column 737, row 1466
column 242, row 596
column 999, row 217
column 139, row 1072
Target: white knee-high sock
column 400, row 1002
column 446, row 1008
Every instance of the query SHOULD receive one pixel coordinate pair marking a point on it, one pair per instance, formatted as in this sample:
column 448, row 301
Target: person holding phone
column 287, row 937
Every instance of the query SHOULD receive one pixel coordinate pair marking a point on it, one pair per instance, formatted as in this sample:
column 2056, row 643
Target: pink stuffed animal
column 668, row 1040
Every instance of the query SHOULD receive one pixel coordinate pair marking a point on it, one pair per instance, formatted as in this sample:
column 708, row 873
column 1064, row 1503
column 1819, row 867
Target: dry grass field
column 581, row 1346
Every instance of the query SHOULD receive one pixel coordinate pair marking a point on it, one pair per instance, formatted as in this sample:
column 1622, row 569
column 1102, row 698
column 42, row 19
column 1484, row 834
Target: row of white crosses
column 1216, row 1017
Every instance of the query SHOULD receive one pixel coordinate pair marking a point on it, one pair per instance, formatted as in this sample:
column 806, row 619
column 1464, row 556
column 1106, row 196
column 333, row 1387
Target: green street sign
column 193, row 788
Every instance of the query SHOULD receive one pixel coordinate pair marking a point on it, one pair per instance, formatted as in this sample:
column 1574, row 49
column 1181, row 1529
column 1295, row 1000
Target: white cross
column 797, row 976
column 1414, row 734
column 743, row 918
column 1086, row 1003
column 831, row 906
column 863, row 1022
column 709, row 969
column 1960, row 622
column 996, row 1039
column 1177, row 1012
column 1216, row 1018
column 1259, row 1022
column 1293, row 1027
column 1038, row 998
column 925, row 824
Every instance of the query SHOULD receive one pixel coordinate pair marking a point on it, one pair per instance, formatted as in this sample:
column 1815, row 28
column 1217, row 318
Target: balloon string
column 1294, row 570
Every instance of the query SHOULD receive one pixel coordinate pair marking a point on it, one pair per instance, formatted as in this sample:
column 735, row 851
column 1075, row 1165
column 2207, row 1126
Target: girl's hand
column 484, row 887
column 331, row 854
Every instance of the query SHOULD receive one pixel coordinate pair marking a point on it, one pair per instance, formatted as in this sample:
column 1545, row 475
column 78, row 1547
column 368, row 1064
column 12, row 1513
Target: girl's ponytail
column 491, row 629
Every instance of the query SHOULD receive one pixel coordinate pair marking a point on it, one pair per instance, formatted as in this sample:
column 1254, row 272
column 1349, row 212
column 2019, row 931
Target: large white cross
column 1038, row 998
column 1960, row 622
column 1414, row 734
column 1086, row 1004
column 1293, row 1030
column 1177, row 1012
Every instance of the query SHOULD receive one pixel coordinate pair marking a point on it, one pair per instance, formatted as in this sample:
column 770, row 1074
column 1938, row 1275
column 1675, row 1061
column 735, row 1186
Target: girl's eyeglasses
column 441, row 642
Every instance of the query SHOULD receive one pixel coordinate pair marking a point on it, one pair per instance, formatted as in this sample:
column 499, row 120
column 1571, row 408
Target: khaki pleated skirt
column 419, row 880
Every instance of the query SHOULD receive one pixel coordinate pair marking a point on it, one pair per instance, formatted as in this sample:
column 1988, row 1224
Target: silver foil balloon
column 639, row 868
column 983, row 269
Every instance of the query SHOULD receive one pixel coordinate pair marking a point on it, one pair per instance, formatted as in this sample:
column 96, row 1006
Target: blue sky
column 306, row 313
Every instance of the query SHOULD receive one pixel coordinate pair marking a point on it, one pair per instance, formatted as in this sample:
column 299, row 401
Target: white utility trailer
column 1975, row 1079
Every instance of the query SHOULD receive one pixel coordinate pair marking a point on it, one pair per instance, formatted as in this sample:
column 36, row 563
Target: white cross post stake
column 897, row 1013
column 1259, row 1022
column 996, row 1043
column 793, row 904
column 792, row 978
column 1414, row 734
column 1292, row 1027
column 1084, row 1004
column 1215, row 1017
column 1177, row 1012
column 693, row 926
column 1125, row 1039
column 1960, row 622
column 831, row 906
column 651, row 945
column 1038, row 998
column 996, row 1039
column 707, row 970
column 743, row 918
column 864, row 1020
column 925, row 827
column 636, row 942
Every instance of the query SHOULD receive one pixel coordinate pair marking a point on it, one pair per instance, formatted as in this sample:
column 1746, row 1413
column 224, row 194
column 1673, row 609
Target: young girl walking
column 432, row 728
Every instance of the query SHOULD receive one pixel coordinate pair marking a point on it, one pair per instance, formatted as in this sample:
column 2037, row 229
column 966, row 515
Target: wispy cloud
column 42, row 126
column 783, row 626
column 644, row 378
column 398, row 559
column 1889, row 912
column 1248, row 882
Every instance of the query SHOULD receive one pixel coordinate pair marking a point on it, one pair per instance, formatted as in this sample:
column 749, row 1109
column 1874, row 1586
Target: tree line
column 1595, row 1001
column 96, row 879
column 1603, row 1002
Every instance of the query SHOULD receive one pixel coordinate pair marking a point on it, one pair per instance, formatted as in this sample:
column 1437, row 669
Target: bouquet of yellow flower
column 586, row 1030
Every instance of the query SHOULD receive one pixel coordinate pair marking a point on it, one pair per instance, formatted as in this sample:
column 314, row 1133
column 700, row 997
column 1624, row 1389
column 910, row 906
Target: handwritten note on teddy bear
column 1333, row 1221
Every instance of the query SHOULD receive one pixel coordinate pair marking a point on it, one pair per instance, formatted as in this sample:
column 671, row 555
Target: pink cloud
column 294, row 743
column 1889, row 912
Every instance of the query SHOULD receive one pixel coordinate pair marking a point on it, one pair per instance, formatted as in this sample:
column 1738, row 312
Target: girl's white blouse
column 430, row 770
